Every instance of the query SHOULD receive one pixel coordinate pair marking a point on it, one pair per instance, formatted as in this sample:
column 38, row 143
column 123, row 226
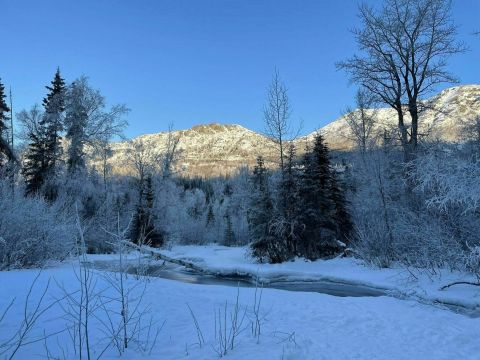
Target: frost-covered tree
column 76, row 123
column 470, row 130
column 31, row 231
column 88, row 122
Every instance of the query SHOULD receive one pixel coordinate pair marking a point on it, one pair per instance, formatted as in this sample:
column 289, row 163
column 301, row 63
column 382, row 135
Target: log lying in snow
column 158, row 256
column 253, row 279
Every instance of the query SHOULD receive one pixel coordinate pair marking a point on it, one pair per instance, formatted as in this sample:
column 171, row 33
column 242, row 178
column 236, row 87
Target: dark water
column 179, row 273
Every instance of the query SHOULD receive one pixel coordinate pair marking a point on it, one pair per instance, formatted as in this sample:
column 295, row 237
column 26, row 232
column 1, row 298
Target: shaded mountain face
column 217, row 150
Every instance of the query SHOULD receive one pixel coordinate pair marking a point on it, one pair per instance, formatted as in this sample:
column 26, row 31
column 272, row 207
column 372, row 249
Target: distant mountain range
column 215, row 149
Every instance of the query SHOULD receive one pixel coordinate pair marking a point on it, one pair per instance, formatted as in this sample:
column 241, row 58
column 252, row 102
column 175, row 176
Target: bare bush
column 31, row 232
column 228, row 326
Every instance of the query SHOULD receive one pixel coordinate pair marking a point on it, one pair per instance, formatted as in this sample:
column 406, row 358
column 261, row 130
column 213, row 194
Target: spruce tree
column 341, row 216
column 4, row 109
column 319, row 237
column 289, row 201
column 35, row 167
column 261, row 204
column 229, row 238
column 264, row 245
column 43, row 151
column 289, row 184
column 210, row 216
column 143, row 228
column 54, row 104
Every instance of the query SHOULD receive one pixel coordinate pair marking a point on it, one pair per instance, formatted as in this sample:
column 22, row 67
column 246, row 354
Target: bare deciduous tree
column 144, row 159
column 171, row 154
column 362, row 121
column 276, row 113
column 405, row 47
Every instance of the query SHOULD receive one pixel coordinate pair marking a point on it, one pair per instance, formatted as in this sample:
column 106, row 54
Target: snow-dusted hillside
column 214, row 149
column 207, row 150
column 441, row 119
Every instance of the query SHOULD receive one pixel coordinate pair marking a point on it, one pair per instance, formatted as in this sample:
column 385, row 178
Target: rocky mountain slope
column 443, row 118
column 214, row 149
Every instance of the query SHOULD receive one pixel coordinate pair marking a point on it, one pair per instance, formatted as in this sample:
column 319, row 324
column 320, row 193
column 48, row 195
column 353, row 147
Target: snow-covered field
column 294, row 325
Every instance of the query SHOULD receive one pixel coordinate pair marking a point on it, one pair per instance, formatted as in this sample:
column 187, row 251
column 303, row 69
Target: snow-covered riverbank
column 398, row 281
column 295, row 325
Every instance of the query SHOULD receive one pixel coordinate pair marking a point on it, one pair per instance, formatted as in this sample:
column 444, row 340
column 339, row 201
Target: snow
column 223, row 149
column 298, row 325
column 397, row 281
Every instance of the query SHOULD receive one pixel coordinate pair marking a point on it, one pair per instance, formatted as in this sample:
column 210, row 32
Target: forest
column 399, row 199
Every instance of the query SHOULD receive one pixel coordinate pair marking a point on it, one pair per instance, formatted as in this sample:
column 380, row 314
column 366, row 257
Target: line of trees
column 382, row 202
column 301, row 213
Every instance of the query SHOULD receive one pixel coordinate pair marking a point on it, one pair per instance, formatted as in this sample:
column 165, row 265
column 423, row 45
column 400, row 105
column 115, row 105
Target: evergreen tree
column 143, row 230
column 35, row 166
column 4, row 109
column 229, row 238
column 43, row 150
column 341, row 216
column 289, row 201
column 260, row 215
column 210, row 216
column 316, row 213
column 54, row 104
column 289, row 184
column 261, row 204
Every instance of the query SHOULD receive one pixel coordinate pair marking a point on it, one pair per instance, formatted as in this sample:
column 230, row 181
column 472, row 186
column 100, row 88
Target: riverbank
column 294, row 325
column 398, row 281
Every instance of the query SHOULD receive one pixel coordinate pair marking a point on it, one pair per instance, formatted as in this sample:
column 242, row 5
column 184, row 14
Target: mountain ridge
column 221, row 149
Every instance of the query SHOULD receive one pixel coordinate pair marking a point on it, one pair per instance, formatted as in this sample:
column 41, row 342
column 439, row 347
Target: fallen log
column 253, row 279
column 460, row 283
column 159, row 256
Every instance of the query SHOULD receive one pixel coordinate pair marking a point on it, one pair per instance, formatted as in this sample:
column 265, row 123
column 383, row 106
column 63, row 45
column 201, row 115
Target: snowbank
column 295, row 325
column 397, row 281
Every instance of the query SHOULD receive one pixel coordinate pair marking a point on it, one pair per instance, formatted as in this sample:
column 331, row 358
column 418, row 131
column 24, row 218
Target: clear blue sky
column 191, row 62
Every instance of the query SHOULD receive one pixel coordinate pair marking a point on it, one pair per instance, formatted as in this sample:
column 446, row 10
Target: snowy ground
column 398, row 281
column 296, row 325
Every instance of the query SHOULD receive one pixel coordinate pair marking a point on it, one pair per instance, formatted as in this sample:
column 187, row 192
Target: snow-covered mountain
column 215, row 149
column 443, row 117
